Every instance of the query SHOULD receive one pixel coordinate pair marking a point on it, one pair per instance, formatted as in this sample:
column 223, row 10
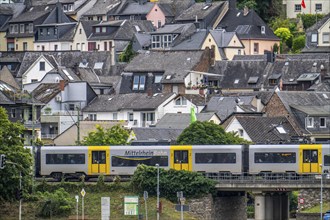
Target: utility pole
column 78, row 125
column 20, row 199
column 157, row 165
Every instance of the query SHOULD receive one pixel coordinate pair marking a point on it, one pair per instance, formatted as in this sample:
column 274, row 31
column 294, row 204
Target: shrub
column 298, row 43
column 58, row 203
column 192, row 184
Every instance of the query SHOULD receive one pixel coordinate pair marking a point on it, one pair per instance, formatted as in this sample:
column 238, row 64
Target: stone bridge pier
column 271, row 206
column 230, row 205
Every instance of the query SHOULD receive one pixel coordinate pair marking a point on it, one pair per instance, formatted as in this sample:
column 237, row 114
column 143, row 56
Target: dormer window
column 310, row 122
column 181, row 101
column 55, row 31
column 42, row 66
column 314, row 38
column 31, row 28
column 139, row 82
column 263, row 30
column 158, row 78
column 97, row 29
column 21, row 28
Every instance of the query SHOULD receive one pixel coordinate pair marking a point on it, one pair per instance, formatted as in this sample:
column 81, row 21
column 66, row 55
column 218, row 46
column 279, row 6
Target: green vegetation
column 11, row 144
column 310, row 19
column 128, row 54
column 316, row 209
column 207, row 133
column 298, row 44
column 192, row 184
column 115, row 135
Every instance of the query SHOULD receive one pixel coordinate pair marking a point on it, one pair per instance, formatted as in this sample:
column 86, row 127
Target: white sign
column 77, row 198
column 83, row 193
column 131, row 205
column 105, row 208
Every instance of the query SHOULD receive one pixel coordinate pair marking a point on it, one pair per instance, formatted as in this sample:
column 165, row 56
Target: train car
column 218, row 159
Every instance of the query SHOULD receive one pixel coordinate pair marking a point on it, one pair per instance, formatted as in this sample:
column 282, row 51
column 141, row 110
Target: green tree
column 310, row 19
column 285, row 35
column 127, row 54
column 115, row 135
column 298, row 43
column 192, row 184
column 208, row 133
column 11, row 145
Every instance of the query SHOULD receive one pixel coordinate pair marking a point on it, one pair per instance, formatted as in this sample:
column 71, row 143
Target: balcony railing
column 60, row 113
column 48, row 136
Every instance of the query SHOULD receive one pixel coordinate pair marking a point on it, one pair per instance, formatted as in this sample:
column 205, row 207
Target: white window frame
column 92, row 117
column 325, row 122
column 318, row 7
column 263, row 29
column 104, row 30
column 97, row 30
column 139, row 82
column 115, row 116
column 297, row 7
column 156, row 41
column 309, row 122
column 167, row 40
column 326, row 37
column 31, row 27
column 314, row 38
column 182, row 101
column 130, row 116
column 21, row 28
column 158, row 78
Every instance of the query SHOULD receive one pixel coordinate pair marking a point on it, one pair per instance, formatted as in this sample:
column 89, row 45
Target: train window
column 215, row 157
column 117, row 161
column 275, row 157
column 180, row 156
column 65, row 158
column 327, row 160
column 98, row 157
column 310, row 156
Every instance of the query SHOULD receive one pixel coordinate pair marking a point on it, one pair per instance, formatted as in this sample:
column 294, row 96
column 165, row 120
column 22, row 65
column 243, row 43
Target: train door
column 311, row 158
column 99, row 160
column 181, row 157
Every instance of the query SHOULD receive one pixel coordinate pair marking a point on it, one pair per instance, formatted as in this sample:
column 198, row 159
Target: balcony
column 30, row 125
column 48, row 136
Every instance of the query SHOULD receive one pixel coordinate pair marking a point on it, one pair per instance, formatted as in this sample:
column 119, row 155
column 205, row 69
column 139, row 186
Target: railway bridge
column 271, row 194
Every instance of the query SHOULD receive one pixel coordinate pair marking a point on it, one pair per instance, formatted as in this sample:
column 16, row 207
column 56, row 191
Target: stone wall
column 202, row 208
column 308, row 216
column 230, row 208
column 312, row 198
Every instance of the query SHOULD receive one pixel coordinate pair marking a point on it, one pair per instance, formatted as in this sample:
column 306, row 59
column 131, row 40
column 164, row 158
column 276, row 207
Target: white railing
column 48, row 136
column 60, row 113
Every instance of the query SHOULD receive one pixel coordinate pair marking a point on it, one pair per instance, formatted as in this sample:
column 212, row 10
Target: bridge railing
column 268, row 178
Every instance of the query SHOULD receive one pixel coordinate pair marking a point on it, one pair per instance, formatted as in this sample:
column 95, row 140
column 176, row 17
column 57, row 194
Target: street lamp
column 157, row 165
column 321, row 193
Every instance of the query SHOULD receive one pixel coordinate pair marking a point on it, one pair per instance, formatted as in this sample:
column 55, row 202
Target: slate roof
column 33, row 13
column 126, row 85
column 319, row 23
column 69, row 59
column 181, row 120
column 197, row 10
column 134, row 101
column 237, row 74
column 102, row 7
column 174, row 63
column 303, row 98
column 262, row 130
column 156, row 133
column 6, row 94
column 144, row 39
column 178, row 6
column 134, row 8
column 197, row 99
column 246, row 27
column 313, row 110
column 45, row 92
column 12, row 9
column 224, row 106
column 193, row 42
column 87, row 25
column 222, row 38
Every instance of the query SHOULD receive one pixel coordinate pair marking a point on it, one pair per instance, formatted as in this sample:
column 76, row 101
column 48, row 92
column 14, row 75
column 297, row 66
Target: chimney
column 58, row 12
column 245, row 11
column 62, row 85
column 323, row 72
column 149, row 92
column 259, row 104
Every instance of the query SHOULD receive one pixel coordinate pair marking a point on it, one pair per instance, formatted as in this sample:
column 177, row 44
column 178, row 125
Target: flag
column 303, row 4
column 192, row 115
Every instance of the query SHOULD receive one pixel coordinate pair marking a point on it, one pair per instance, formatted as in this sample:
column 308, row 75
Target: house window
column 272, row 81
column 239, row 52
column 31, row 28
column 92, row 117
column 314, row 38
column 70, row 7
column 25, row 46
column 297, row 7
column 139, row 82
column 167, row 40
column 10, row 47
column 65, row 7
column 181, row 101
column 155, row 41
column 42, row 66
column 48, row 32
column 326, row 37
column 78, row 46
column 99, row 18
column 148, row 116
column 16, row 28
column 12, row 29
column 21, row 28
column 256, row 48
column 55, row 47
column 82, row 46
column 43, row 48
column 55, row 31
column 104, row 30
column 13, row 113
column 158, row 78
column 240, row 132
column 318, row 7
column 130, row 116
column 131, row 17
column 115, row 116
column 71, row 107
column 41, row 32
column 91, row 46
column 98, row 30
column 263, row 29
column 309, row 122
column 80, row 31
column 323, row 123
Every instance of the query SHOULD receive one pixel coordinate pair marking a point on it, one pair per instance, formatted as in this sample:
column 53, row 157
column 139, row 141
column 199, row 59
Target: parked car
column 327, row 215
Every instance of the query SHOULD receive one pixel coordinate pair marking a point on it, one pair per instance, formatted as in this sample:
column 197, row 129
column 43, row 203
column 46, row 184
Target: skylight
column 325, row 96
column 280, row 129
column 109, row 99
column 168, row 77
column 98, row 65
column 236, row 81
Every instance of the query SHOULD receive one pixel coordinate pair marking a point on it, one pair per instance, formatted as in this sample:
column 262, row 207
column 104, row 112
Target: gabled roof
column 6, row 94
column 144, row 39
column 193, row 42
column 303, row 98
column 181, row 120
column 313, row 110
column 174, row 63
column 266, row 130
column 178, row 6
column 199, row 10
column 45, row 92
column 134, row 8
column 30, row 58
column 154, row 133
column 222, row 38
column 33, row 13
column 225, row 106
column 87, row 25
column 57, row 16
column 319, row 24
column 102, row 7
column 132, row 101
column 7, row 77
column 246, row 27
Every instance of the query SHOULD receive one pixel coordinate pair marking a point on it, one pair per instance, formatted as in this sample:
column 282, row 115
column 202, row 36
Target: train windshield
column 275, row 157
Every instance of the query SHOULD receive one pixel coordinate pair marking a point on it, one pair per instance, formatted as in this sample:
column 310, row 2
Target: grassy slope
column 92, row 203
column 316, row 209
